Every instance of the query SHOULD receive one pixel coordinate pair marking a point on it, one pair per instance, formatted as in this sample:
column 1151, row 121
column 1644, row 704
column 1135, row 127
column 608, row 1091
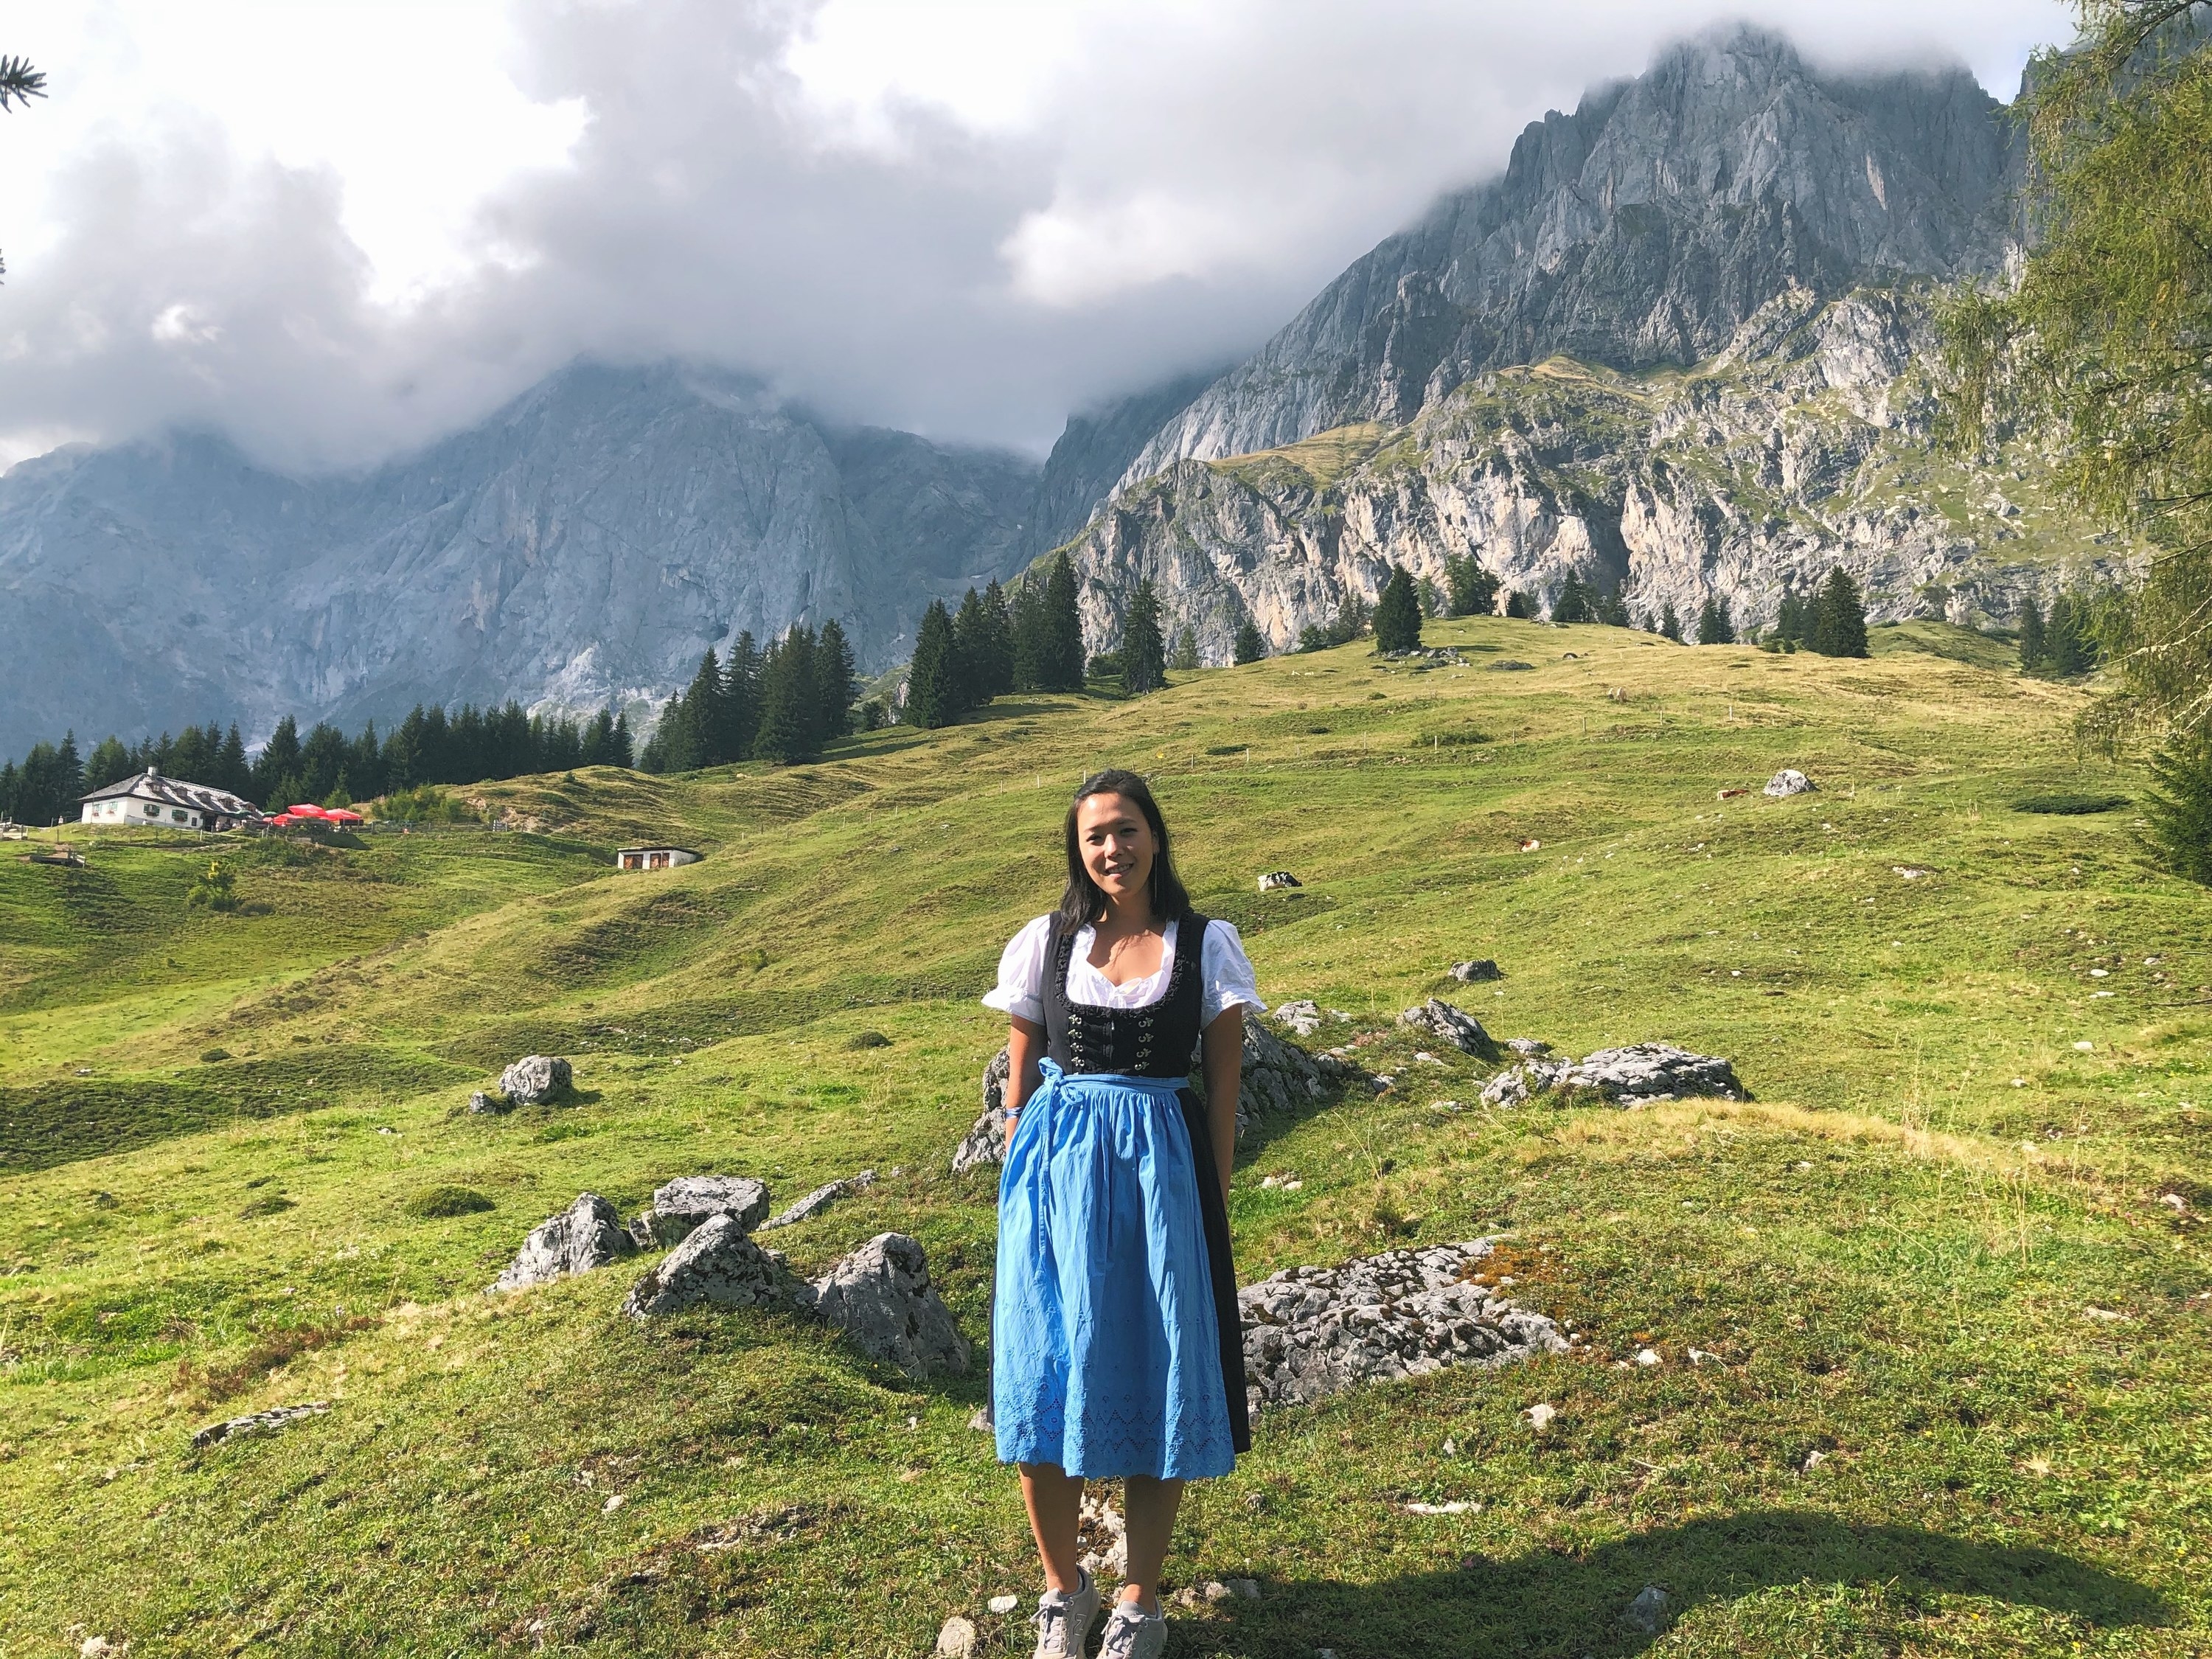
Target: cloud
column 965, row 217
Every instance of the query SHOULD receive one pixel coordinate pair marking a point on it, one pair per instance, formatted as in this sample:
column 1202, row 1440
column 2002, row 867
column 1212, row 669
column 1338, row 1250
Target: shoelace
column 1045, row 1618
column 1121, row 1635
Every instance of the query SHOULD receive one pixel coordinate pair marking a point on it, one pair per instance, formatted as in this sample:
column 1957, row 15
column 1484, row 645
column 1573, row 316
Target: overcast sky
column 337, row 227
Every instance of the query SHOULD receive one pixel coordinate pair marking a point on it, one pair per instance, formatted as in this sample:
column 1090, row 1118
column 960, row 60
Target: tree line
column 1029, row 640
column 781, row 704
column 430, row 746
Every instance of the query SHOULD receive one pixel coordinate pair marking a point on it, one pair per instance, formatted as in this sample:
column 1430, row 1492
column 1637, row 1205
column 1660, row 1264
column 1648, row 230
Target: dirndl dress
column 1115, row 1344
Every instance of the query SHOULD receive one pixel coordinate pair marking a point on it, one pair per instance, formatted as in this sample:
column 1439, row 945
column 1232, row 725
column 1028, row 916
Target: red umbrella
column 339, row 814
column 304, row 811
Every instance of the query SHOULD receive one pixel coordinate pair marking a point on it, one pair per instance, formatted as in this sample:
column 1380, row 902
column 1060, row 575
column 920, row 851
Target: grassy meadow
column 1945, row 1277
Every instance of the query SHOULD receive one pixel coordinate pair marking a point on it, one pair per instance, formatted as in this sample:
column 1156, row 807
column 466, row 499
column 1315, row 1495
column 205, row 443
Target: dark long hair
column 1085, row 902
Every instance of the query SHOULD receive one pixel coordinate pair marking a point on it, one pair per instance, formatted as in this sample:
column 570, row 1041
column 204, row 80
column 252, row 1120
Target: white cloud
column 339, row 227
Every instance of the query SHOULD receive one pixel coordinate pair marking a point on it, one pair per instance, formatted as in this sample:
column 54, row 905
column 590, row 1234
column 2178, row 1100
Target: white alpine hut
column 147, row 801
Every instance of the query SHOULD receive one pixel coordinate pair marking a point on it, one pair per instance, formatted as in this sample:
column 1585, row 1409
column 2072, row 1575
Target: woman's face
column 1118, row 846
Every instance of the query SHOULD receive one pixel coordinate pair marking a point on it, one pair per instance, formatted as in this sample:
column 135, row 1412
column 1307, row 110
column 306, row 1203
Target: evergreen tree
column 706, row 715
column 1398, row 615
column 111, row 763
column 1350, row 619
column 2032, row 646
column 832, row 681
column 790, row 700
column 975, row 648
column 1062, row 659
column 279, row 759
column 989, row 645
column 1431, row 598
column 1612, row 608
column 1838, row 619
column 2069, row 645
column 740, row 708
column 2178, row 804
column 1250, row 647
column 1714, row 627
column 1517, row 604
column 1471, row 590
column 932, row 679
column 1793, row 621
column 620, row 753
column 1184, row 659
column 1670, row 625
column 1144, row 653
column 1028, row 630
column 1573, row 603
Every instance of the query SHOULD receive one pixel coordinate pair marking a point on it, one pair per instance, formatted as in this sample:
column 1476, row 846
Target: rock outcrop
column 1633, row 1076
column 1448, row 1024
column 882, row 1296
column 1312, row 1331
column 986, row 1140
column 535, row 1079
column 587, row 1235
column 1788, row 781
column 715, row 1265
column 689, row 1201
column 818, row 1200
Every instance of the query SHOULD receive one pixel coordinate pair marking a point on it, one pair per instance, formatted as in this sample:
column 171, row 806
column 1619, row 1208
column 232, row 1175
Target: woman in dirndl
column 1116, row 1351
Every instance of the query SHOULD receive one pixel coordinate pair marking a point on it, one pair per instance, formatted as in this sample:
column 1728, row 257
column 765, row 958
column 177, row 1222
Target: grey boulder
column 1648, row 1612
column 818, row 1200
column 1448, row 1025
column 536, row 1078
column 588, row 1234
column 1313, row 1332
column 882, row 1296
column 481, row 1104
column 1303, row 1016
column 1278, row 1076
column 1634, row 1076
column 715, row 1265
column 1476, row 972
column 986, row 1141
column 687, row 1203
column 1789, row 782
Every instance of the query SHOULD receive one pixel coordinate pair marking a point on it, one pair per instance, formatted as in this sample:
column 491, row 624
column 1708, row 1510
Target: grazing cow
column 1276, row 881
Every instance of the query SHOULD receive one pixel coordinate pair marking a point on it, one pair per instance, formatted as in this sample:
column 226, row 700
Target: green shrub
column 423, row 804
column 435, row 1203
column 2179, row 807
column 1451, row 740
column 2069, row 806
column 214, row 889
column 267, row 1204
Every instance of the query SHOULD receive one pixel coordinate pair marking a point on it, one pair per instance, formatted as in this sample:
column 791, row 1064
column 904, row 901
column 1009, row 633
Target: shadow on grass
column 1565, row 1605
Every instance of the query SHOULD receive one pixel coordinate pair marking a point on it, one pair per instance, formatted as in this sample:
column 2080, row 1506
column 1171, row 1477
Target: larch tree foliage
column 19, row 84
column 2105, row 344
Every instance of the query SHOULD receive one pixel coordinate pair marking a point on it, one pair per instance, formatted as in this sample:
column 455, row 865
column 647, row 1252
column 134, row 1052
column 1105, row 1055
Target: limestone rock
column 1448, row 1025
column 686, row 1202
column 1282, row 1077
column 986, row 1141
column 1631, row 1076
column 715, row 1265
column 1101, row 1536
column 1481, row 969
column 481, row 1103
column 268, row 1422
column 1648, row 1612
column 588, row 1234
column 818, row 1200
column 1312, row 1331
column 882, row 1296
column 536, row 1078
column 956, row 1638
column 1303, row 1016
column 1789, row 782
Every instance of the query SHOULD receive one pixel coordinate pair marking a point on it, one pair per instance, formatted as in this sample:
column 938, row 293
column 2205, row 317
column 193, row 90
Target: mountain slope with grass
column 1927, row 1313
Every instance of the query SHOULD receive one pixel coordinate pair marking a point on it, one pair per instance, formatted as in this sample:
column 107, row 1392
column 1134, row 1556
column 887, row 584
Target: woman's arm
column 1024, row 1045
column 1224, row 1065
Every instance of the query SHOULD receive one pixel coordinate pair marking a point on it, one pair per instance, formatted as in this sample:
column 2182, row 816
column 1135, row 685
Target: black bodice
column 1157, row 1041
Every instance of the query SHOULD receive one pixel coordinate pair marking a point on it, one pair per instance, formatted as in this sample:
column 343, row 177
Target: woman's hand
column 1024, row 1047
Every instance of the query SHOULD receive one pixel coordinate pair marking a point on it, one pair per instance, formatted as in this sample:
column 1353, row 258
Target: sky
column 334, row 229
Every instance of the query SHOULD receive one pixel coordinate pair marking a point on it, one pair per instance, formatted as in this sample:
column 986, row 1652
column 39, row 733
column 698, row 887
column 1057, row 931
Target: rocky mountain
column 1679, row 346
column 1802, row 444
column 583, row 544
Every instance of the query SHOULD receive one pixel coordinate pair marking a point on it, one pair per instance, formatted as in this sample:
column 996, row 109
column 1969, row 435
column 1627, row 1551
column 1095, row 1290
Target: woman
column 1116, row 1346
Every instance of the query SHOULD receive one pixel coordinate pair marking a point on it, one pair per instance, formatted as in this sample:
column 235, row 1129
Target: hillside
column 1945, row 1276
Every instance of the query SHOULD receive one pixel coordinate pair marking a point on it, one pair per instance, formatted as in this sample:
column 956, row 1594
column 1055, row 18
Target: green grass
column 1941, row 1249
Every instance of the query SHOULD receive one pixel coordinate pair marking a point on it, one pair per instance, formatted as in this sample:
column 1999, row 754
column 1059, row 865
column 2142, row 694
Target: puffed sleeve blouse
column 1223, row 966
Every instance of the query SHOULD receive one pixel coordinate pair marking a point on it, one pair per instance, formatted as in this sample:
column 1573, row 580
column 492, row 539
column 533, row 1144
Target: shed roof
column 150, row 785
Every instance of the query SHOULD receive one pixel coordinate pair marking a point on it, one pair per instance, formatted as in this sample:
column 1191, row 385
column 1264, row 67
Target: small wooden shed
column 654, row 858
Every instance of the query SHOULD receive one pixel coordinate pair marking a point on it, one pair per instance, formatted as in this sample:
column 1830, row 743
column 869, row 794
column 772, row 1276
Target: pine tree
column 1612, row 610
column 1471, row 590
column 740, row 707
column 994, row 650
column 833, row 680
column 1431, row 598
column 706, row 715
column 2067, row 645
column 1144, row 653
column 972, row 640
column 2178, row 804
column 1398, row 614
column 279, row 759
column 110, row 763
column 1028, row 634
column 1250, row 647
column 1714, row 627
column 1573, row 604
column 1670, row 625
column 791, row 702
column 1350, row 619
column 1062, row 660
column 1184, row 659
column 1517, row 604
column 1838, row 619
column 2032, row 644
column 932, row 679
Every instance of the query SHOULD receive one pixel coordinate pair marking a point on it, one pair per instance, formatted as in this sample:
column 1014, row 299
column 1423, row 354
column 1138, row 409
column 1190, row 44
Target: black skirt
column 1226, row 1317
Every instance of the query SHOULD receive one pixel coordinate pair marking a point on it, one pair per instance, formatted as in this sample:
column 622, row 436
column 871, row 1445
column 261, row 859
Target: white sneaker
column 1064, row 1619
column 1133, row 1633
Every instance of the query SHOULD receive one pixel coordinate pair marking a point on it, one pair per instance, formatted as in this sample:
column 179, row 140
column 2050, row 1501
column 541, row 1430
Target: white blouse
column 1225, row 973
